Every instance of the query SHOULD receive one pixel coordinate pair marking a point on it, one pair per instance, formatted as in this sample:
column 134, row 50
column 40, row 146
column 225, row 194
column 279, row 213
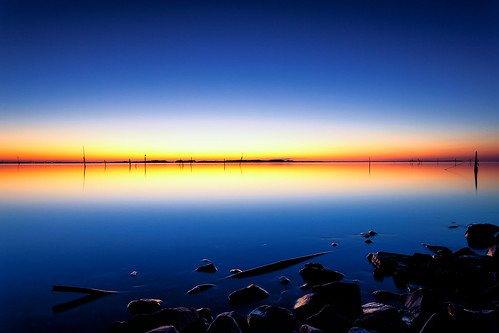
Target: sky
column 304, row 80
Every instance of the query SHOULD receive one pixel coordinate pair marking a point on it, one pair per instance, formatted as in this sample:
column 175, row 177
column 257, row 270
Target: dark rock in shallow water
column 164, row 329
column 144, row 306
column 314, row 274
column 241, row 321
column 284, row 280
column 465, row 251
column 494, row 251
column 334, row 244
column 343, row 297
column 309, row 305
column 387, row 262
column 309, row 329
column 372, row 233
column 481, row 236
column 248, row 294
column 380, row 317
column 224, row 324
column 208, row 268
column 235, row 271
column 328, row 320
column 422, row 303
column 200, row 288
column 268, row 318
column 185, row 320
column 440, row 250
column 368, row 241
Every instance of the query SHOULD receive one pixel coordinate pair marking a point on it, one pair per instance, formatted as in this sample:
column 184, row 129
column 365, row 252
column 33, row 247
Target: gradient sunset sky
column 270, row 79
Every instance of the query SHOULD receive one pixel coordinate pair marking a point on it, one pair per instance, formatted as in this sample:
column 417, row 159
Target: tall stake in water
column 476, row 170
column 84, row 162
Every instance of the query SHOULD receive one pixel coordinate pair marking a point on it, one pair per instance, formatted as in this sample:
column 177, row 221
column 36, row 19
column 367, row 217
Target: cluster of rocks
column 449, row 292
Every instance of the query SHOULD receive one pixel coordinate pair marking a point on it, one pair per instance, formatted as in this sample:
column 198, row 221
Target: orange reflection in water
column 211, row 182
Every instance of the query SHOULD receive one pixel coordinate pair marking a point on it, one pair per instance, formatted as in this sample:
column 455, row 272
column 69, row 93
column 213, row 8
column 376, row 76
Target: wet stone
column 144, row 306
column 315, row 274
column 481, row 236
column 208, row 268
column 164, row 329
column 248, row 294
column 224, row 324
column 268, row 318
column 329, row 320
column 284, row 280
column 309, row 329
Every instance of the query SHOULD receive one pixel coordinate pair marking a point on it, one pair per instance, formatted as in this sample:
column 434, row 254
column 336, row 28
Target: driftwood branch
column 89, row 291
column 273, row 267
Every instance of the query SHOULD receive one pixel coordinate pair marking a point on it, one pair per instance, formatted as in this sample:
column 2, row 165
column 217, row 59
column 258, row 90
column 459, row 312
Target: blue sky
column 413, row 65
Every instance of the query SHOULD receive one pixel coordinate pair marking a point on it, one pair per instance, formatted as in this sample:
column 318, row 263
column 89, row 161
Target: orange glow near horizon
column 206, row 139
column 208, row 182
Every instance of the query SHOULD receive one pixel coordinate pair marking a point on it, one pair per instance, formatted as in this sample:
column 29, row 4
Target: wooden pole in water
column 84, row 162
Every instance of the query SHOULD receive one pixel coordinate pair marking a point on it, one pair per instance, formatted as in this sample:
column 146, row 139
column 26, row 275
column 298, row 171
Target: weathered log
column 81, row 290
column 274, row 266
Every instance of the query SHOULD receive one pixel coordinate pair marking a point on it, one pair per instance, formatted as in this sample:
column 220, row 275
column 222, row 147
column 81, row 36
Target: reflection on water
column 92, row 225
column 254, row 182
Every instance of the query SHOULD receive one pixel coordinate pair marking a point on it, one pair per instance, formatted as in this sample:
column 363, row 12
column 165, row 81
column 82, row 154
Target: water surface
column 92, row 226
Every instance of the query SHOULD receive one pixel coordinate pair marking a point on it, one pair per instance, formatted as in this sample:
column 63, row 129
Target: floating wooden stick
column 274, row 266
column 89, row 291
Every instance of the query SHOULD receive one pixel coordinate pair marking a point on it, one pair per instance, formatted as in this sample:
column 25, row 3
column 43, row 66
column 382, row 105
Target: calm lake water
column 91, row 227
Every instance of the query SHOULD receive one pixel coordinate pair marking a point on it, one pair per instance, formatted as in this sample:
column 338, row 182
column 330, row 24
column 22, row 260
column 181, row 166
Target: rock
column 385, row 297
column 268, row 318
column 248, row 294
column 200, row 288
column 372, row 233
column 387, row 262
column 368, row 241
column 224, row 324
column 440, row 250
column 453, row 226
column 309, row 329
column 314, row 274
column 185, row 320
column 309, row 305
column 208, row 268
column 134, row 273
column 144, row 306
column 205, row 315
column 365, row 235
column 328, row 320
column 235, row 271
column 494, row 251
column 164, row 329
column 205, row 260
column 241, row 321
column 380, row 317
column 481, row 236
column 465, row 251
column 380, row 309
column 357, row 330
column 284, row 280
column 334, row 244
column 422, row 303
column 344, row 297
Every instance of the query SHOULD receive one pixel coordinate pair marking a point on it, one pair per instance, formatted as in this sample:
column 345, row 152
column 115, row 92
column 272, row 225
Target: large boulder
column 240, row 320
column 185, row 320
column 144, row 306
column 248, row 294
column 344, row 298
column 481, row 236
column 314, row 274
column 309, row 329
column 328, row 320
column 268, row 318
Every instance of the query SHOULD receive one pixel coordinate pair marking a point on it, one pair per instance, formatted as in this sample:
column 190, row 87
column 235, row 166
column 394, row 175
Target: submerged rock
column 314, row 274
column 268, row 318
column 200, row 288
column 284, row 280
column 208, row 268
column 144, row 306
column 248, row 294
